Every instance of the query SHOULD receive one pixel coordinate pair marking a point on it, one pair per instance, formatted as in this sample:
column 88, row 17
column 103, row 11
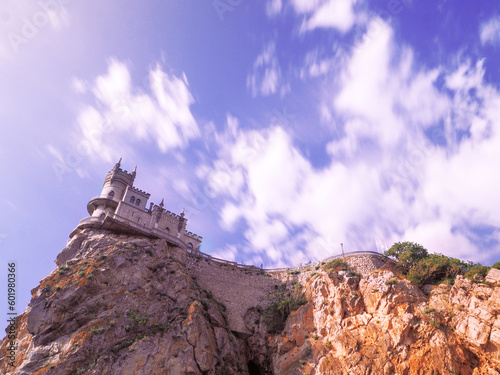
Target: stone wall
column 238, row 289
column 364, row 264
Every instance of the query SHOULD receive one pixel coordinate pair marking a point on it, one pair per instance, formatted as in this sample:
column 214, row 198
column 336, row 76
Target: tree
column 435, row 269
column 496, row 265
column 407, row 254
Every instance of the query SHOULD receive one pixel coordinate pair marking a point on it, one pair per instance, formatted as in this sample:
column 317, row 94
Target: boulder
column 493, row 276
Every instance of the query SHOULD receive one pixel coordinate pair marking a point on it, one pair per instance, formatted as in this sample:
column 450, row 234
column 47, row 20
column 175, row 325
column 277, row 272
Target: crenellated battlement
column 139, row 191
column 192, row 235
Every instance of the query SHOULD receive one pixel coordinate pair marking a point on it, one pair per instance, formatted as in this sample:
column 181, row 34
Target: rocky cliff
column 122, row 304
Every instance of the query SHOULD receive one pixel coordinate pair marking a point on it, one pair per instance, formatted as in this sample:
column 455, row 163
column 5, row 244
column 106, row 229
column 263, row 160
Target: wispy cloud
column 266, row 74
column 336, row 14
column 490, row 31
column 127, row 115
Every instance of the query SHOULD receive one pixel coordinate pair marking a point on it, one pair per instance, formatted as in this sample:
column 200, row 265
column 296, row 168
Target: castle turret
column 114, row 190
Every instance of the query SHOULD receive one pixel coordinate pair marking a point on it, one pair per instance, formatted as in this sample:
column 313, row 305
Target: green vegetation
column 392, row 281
column 282, row 302
column 421, row 268
column 480, row 271
column 335, row 265
column 63, row 269
column 436, row 268
column 136, row 316
column 97, row 330
column 496, row 265
column 407, row 254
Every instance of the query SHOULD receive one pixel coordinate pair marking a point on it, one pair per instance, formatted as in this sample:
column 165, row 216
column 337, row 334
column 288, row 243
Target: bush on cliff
column 407, row 254
column 476, row 271
column 335, row 265
column 436, row 268
column 496, row 265
column 421, row 268
column 282, row 303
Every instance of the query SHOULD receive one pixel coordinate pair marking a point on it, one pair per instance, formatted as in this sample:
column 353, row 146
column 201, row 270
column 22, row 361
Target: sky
column 283, row 127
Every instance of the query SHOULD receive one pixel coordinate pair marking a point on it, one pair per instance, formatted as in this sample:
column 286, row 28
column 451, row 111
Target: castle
column 122, row 207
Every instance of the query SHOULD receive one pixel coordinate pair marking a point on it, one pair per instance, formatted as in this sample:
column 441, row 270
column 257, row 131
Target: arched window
column 137, row 202
column 190, row 245
column 167, row 229
column 132, row 199
column 111, row 194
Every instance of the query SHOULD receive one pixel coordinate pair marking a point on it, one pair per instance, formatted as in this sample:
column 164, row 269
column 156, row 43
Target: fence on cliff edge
column 209, row 257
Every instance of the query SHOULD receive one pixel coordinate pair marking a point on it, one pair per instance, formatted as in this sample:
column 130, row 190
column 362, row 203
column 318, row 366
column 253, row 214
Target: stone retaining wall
column 364, row 264
column 238, row 289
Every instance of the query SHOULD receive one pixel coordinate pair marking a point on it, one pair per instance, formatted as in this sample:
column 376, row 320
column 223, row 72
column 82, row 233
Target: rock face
column 123, row 305
column 493, row 276
column 132, row 305
column 380, row 324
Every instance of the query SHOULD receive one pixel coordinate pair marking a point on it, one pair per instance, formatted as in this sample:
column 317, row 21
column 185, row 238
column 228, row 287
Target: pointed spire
column 117, row 165
column 134, row 172
column 161, row 203
column 182, row 213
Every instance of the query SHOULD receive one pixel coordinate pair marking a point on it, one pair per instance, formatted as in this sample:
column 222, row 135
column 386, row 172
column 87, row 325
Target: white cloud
column 126, row 115
column 336, row 14
column 386, row 180
column 490, row 31
column 266, row 74
column 273, row 7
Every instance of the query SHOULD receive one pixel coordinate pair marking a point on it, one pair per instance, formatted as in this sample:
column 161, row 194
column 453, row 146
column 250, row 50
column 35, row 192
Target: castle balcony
column 102, row 200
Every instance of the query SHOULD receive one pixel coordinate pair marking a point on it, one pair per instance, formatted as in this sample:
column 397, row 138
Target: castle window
column 190, row 245
column 137, row 202
column 132, row 199
column 111, row 194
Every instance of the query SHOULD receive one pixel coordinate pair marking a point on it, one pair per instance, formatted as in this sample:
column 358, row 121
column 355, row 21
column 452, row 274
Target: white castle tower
column 122, row 207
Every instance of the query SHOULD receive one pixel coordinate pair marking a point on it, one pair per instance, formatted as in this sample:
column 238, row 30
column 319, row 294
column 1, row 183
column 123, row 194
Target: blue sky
column 283, row 127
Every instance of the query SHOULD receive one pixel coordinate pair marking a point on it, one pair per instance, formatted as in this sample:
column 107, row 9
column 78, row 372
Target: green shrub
column 477, row 269
column 282, row 302
column 97, row 330
column 392, row 281
column 435, row 323
column 407, row 254
column 336, row 265
column 136, row 316
column 435, row 269
column 496, row 265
